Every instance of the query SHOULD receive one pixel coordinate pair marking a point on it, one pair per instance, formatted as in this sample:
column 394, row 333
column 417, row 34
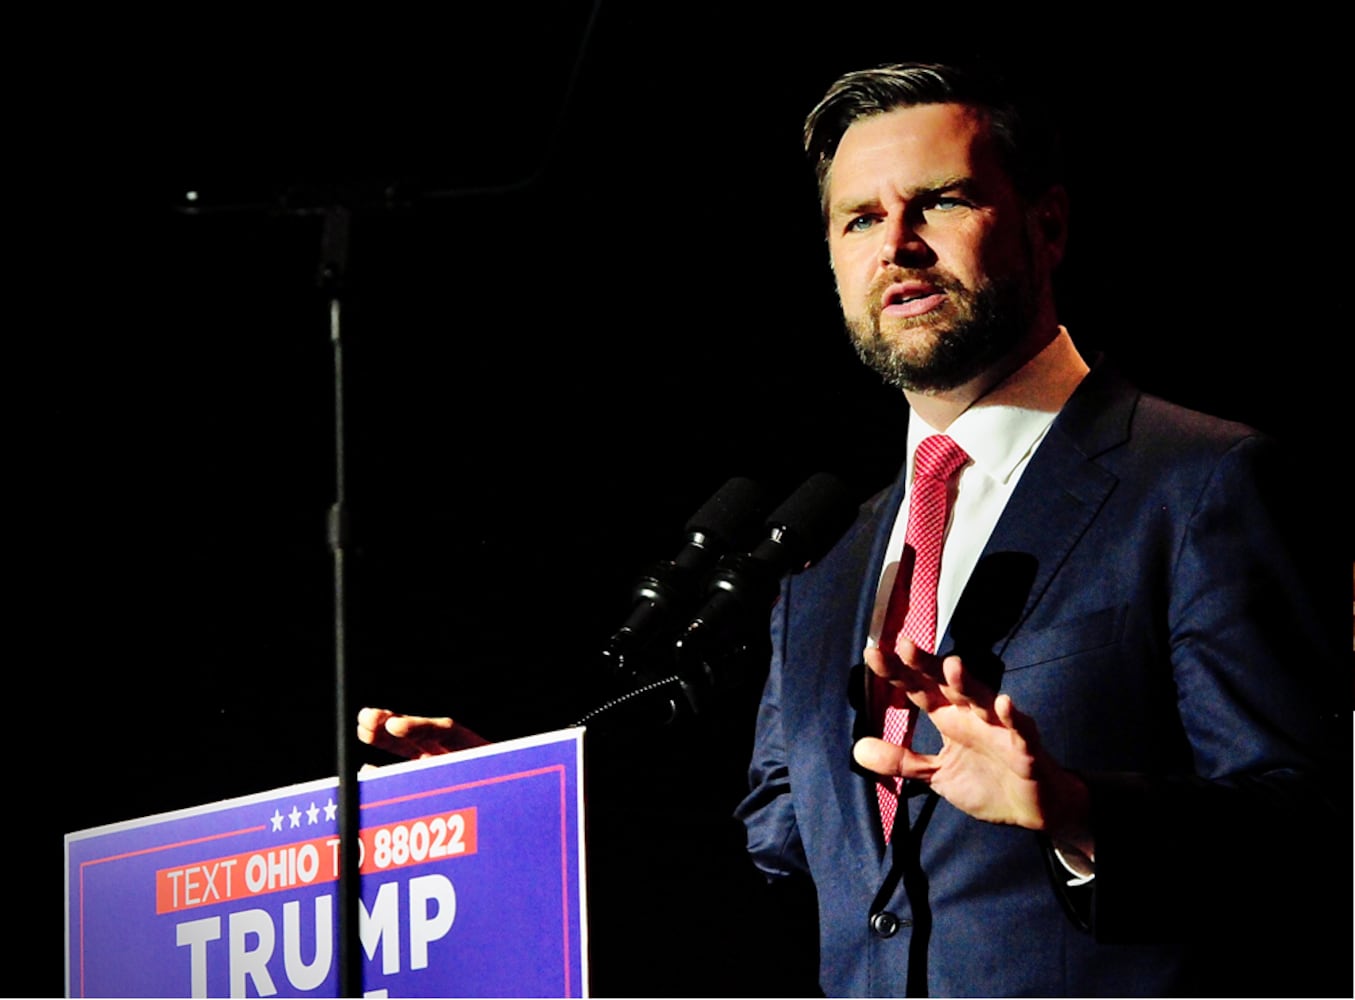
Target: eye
column 947, row 203
column 860, row 224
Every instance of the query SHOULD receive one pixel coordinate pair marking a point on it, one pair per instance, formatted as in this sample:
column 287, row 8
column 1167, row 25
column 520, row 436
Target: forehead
column 913, row 147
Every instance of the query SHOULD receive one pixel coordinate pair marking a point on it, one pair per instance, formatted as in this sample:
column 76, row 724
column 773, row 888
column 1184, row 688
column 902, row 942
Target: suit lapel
column 1064, row 488
column 1058, row 497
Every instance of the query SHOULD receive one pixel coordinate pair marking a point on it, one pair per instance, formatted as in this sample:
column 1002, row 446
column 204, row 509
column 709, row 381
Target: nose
column 901, row 243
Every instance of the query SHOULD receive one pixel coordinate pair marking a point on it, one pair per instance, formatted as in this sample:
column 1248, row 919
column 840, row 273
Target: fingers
column 966, row 690
column 436, row 736
column 414, row 736
column 908, row 666
column 373, row 729
column 1019, row 722
column 418, row 727
column 371, row 724
column 920, row 662
column 878, row 755
column 878, row 664
column 933, row 683
column 890, row 760
column 1006, row 711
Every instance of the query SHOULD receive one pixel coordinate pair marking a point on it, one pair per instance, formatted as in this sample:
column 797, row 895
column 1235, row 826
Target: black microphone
column 672, row 588
column 744, row 586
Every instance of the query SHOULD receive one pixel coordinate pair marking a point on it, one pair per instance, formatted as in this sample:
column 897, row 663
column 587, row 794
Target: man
column 1115, row 706
column 1111, row 563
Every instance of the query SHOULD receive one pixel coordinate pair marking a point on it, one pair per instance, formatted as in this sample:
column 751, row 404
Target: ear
column 1049, row 224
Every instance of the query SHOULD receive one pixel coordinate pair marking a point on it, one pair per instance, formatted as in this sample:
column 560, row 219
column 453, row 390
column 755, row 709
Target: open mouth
column 912, row 299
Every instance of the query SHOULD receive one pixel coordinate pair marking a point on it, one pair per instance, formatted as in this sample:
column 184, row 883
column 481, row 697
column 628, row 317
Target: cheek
column 853, row 265
column 999, row 250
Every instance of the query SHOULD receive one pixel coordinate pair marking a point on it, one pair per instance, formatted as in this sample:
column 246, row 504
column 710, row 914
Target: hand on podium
column 414, row 736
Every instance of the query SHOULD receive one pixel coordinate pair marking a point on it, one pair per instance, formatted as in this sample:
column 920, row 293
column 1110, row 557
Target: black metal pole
column 334, row 252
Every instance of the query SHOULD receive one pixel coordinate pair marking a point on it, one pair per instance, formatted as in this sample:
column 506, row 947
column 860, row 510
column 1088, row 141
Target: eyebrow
column 962, row 183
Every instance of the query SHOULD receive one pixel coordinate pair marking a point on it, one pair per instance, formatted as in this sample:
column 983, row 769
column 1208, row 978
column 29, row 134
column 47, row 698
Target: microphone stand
column 333, row 262
column 334, row 209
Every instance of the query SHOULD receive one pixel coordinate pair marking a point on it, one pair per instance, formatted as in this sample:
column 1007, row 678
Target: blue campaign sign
column 472, row 885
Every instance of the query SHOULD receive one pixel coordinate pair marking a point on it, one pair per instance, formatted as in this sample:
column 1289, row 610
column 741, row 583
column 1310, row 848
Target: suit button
column 884, row 924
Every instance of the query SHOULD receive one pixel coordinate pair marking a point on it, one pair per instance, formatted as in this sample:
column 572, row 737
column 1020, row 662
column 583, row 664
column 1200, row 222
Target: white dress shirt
column 1000, row 433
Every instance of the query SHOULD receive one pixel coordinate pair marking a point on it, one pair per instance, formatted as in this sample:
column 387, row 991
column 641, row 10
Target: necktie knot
column 938, row 457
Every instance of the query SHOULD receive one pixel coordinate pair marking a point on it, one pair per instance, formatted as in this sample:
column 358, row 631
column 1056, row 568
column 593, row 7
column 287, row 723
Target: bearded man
column 1100, row 713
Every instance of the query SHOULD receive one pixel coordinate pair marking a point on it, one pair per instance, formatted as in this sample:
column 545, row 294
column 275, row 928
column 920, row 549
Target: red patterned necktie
column 912, row 602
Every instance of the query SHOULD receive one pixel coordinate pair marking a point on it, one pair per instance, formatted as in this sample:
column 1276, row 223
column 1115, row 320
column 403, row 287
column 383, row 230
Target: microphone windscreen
column 732, row 516
column 813, row 518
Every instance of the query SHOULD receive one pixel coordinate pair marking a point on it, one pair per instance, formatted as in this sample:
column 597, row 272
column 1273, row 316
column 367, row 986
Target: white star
column 295, row 817
column 277, row 820
column 312, row 815
column 330, row 810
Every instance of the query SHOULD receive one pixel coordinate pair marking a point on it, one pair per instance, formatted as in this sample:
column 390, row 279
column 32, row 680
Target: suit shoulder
column 1108, row 414
column 1158, row 418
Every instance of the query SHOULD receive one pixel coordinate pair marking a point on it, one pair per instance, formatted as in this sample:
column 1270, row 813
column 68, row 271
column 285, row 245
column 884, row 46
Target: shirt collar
column 1004, row 426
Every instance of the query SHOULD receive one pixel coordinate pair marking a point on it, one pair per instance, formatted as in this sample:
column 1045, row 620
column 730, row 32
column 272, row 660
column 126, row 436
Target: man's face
column 936, row 264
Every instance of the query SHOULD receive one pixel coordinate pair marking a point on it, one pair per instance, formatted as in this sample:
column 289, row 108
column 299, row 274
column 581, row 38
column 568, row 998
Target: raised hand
column 991, row 764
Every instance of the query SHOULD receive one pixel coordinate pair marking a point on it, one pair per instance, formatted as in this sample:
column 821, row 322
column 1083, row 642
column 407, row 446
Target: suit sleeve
column 1262, row 687
column 767, row 812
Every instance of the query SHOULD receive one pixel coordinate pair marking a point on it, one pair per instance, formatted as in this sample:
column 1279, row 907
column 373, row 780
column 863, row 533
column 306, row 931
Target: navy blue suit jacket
column 1139, row 599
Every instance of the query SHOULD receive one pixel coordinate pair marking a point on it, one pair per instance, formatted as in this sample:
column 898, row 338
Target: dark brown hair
column 1027, row 140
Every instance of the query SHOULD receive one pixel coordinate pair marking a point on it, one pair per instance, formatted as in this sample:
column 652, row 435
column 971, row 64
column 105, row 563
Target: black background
column 585, row 285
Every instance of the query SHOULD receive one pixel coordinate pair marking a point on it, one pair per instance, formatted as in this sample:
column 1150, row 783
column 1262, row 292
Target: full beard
column 928, row 353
